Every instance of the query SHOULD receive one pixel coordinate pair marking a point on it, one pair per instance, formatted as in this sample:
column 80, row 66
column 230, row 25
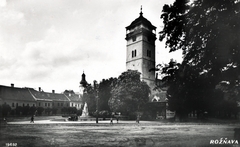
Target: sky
column 49, row 43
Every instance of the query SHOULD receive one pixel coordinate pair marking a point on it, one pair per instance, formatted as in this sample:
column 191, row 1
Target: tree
column 5, row 109
column 105, row 87
column 25, row 110
column 89, row 96
column 19, row 110
column 48, row 110
column 129, row 93
column 54, row 110
column 64, row 110
column 67, row 92
column 32, row 110
column 207, row 33
column 40, row 110
column 72, row 110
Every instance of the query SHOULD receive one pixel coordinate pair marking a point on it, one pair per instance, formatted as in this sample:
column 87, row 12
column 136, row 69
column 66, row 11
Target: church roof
column 141, row 20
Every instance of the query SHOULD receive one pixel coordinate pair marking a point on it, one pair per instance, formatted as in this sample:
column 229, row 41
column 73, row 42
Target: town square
column 124, row 133
column 134, row 73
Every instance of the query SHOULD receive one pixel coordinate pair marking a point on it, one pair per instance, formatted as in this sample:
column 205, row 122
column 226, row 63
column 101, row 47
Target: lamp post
column 97, row 108
column 96, row 93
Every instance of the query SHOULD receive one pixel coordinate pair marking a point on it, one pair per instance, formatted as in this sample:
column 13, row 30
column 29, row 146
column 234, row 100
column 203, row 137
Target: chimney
column 53, row 91
column 12, row 85
column 39, row 89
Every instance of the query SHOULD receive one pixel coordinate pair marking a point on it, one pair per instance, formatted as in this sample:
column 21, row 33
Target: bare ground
column 124, row 134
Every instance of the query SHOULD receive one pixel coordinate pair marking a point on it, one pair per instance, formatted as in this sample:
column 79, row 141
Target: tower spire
column 83, row 82
column 141, row 11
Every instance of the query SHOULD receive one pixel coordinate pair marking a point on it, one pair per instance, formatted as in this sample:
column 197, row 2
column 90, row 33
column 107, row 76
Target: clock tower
column 140, row 55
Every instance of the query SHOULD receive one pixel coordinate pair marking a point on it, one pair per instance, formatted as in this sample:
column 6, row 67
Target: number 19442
column 11, row 144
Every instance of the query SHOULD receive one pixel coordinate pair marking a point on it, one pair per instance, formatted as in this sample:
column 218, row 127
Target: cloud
column 49, row 43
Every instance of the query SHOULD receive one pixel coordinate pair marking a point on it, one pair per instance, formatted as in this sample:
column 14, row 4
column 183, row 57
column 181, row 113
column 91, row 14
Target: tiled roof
column 14, row 93
column 30, row 94
column 48, row 96
column 141, row 20
column 58, row 97
column 74, row 97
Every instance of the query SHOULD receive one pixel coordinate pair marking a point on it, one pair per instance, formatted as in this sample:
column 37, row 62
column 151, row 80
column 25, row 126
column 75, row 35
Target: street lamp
column 96, row 93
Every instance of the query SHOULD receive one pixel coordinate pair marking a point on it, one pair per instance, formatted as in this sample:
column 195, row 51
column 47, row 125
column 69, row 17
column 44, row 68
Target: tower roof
column 83, row 81
column 141, row 20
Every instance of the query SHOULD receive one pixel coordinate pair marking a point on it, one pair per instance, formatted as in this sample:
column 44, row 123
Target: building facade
column 15, row 97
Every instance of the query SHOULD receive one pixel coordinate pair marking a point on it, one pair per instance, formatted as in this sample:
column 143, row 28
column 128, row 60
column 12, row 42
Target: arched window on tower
column 134, row 53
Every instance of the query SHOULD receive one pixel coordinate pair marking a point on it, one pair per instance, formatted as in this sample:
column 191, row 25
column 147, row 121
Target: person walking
column 137, row 119
column 117, row 119
column 5, row 120
column 111, row 121
column 32, row 119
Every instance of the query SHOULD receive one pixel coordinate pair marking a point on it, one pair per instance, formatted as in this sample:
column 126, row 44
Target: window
column 52, row 104
column 33, row 105
column 134, row 38
column 148, row 53
column 72, row 104
column 39, row 104
column 16, row 104
column 23, row 104
column 134, row 53
column 48, row 104
column 58, row 104
column 45, row 104
column 12, row 104
column 61, row 104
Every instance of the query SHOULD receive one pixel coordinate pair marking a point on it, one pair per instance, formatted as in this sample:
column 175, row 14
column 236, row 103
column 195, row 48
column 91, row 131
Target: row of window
column 46, row 104
column 76, row 105
column 13, row 105
column 134, row 53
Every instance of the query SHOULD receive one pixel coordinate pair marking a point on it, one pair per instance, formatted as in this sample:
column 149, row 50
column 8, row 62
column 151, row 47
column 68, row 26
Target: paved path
column 76, row 122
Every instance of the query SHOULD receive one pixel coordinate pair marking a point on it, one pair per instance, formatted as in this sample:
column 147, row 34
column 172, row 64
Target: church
column 141, row 53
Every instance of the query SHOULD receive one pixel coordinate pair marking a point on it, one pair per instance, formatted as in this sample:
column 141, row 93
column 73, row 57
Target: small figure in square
column 137, row 119
column 117, row 119
column 5, row 120
column 32, row 119
column 111, row 121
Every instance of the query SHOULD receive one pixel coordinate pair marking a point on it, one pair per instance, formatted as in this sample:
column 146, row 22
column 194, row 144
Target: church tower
column 83, row 84
column 140, row 37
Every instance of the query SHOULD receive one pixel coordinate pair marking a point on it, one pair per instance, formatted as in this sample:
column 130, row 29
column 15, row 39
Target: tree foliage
column 89, row 96
column 105, row 87
column 6, row 109
column 40, row 110
column 208, row 34
column 67, row 92
column 129, row 93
